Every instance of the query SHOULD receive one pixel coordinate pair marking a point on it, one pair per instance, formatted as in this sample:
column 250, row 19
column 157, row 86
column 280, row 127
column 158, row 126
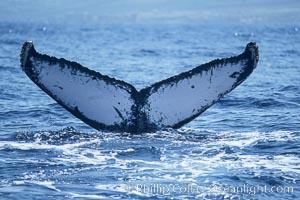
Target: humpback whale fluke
column 106, row 103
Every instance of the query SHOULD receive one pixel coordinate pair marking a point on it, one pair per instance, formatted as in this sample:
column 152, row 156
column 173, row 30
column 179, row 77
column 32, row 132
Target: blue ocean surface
column 246, row 146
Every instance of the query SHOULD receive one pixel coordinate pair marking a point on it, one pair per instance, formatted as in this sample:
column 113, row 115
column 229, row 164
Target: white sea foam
column 86, row 196
column 47, row 184
column 187, row 158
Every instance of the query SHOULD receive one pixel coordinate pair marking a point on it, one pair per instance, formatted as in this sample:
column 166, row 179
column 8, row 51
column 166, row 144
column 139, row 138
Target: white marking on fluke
column 106, row 103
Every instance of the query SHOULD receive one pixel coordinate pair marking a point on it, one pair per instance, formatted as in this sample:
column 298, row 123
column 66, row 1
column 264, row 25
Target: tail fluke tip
column 24, row 53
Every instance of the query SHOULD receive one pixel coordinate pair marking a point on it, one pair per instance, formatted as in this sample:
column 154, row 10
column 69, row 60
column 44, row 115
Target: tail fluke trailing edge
column 96, row 99
column 109, row 104
column 178, row 100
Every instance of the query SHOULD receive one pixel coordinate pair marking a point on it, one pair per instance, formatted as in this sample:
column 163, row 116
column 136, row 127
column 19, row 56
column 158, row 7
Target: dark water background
column 250, row 138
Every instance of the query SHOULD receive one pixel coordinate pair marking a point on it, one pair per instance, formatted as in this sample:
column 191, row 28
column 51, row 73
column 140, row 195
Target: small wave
column 290, row 52
column 292, row 88
column 67, row 135
column 10, row 58
column 149, row 52
column 146, row 52
column 237, row 102
column 254, row 102
column 244, row 34
column 121, row 188
column 25, row 113
column 13, row 41
column 268, row 103
column 144, row 153
column 46, row 184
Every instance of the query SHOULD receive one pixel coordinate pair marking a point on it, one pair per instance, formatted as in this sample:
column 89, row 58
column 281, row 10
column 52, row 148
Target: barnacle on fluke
column 109, row 104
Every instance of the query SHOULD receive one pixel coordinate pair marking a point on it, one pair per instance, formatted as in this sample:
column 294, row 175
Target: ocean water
column 246, row 146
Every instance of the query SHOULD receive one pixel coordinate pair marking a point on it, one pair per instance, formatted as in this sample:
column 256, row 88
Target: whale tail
column 106, row 103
